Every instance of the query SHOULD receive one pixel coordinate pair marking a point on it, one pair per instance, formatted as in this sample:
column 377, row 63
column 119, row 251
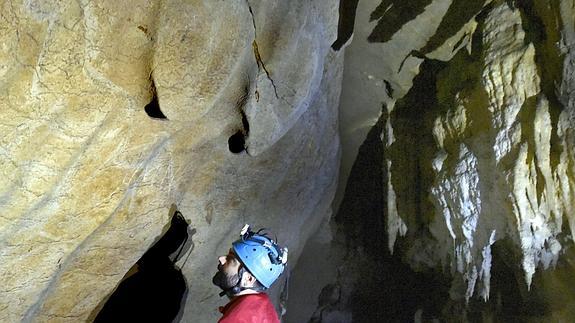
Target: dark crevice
column 458, row 43
column 413, row 53
column 240, row 105
column 527, row 117
column 257, row 55
column 363, row 199
column 154, row 288
column 540, row 21
column 153, row 108
column 413, row 120
column 392, row 15
column 237, row 142
column 146, row 31
column 347, row 10
column 477, row 37
column 245, row 123
column 388, row 88
column 385, row 288
column 459, row 13
column 510, row 3
column 243, row 98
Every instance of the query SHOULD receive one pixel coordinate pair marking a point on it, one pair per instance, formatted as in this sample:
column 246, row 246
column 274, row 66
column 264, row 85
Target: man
column 251, row 266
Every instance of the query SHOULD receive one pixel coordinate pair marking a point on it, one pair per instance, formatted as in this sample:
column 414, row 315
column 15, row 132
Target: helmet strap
column 235, row 289
column 230, row 292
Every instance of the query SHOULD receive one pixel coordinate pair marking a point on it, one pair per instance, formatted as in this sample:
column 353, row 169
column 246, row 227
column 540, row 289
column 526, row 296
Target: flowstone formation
column 477, row 168
column 112, row 112
column 494, row 149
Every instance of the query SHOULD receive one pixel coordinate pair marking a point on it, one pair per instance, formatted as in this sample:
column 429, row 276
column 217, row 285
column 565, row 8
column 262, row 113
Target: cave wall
column 493, row 153
column 475, row 119
column 114, row 113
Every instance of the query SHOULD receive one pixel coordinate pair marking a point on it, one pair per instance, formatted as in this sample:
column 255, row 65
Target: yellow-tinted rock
column 88, row 177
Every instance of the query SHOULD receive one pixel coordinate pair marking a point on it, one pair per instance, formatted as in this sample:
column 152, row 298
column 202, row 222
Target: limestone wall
column 88, row 176
column 473, row 102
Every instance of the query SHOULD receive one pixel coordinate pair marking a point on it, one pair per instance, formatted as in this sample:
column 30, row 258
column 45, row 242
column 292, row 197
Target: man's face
column 227, row 275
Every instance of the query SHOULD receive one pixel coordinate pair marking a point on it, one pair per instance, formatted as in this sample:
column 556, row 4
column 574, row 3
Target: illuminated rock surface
column 91, row 166
column 463, row 191
column 477, row 153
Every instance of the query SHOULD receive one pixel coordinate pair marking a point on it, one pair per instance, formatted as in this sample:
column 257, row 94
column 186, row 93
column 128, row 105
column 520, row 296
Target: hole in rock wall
column 237, row 142
column 153, row 108
column 154, row 288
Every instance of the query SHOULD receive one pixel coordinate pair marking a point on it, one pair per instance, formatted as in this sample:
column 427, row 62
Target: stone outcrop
column 494, row 154
column 112, row 112
column 460, row 205
column 477, row 150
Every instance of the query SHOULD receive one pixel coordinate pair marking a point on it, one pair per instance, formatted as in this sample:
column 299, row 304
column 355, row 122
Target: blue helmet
column 261, row 256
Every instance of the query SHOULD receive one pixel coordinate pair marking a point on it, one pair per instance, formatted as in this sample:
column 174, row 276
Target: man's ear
column 248, row 280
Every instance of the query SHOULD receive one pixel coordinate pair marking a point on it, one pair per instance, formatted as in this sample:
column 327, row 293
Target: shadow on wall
column 154, row 288
column 374, row 284
column 392, row 15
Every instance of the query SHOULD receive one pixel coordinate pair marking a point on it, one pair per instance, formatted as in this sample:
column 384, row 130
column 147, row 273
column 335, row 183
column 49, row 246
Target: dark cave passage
column 153, row 108
column 155, row 290
column 384, row 285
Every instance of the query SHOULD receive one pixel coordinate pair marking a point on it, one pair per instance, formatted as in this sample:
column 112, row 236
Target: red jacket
column 250, row 308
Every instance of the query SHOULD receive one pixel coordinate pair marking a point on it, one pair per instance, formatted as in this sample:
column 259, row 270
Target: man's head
column 254, row 262
column 231, row 273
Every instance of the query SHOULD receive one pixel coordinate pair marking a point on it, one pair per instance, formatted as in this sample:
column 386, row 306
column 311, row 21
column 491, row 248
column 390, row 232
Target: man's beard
column 225, row 281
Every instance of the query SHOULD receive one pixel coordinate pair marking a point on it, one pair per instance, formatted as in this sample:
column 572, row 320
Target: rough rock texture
column 478, row 169
column 91, row 165
column 111, row 113
column 496, row 159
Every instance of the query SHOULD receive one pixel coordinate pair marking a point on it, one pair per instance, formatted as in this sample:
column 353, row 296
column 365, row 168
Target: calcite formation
column 114, row 111
column 498, row 161
column 476, row 104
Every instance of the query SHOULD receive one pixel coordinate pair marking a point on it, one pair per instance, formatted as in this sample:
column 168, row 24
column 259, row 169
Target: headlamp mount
column 282, row 253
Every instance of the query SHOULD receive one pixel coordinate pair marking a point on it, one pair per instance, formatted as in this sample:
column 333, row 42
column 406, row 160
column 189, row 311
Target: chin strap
column 237, row 289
